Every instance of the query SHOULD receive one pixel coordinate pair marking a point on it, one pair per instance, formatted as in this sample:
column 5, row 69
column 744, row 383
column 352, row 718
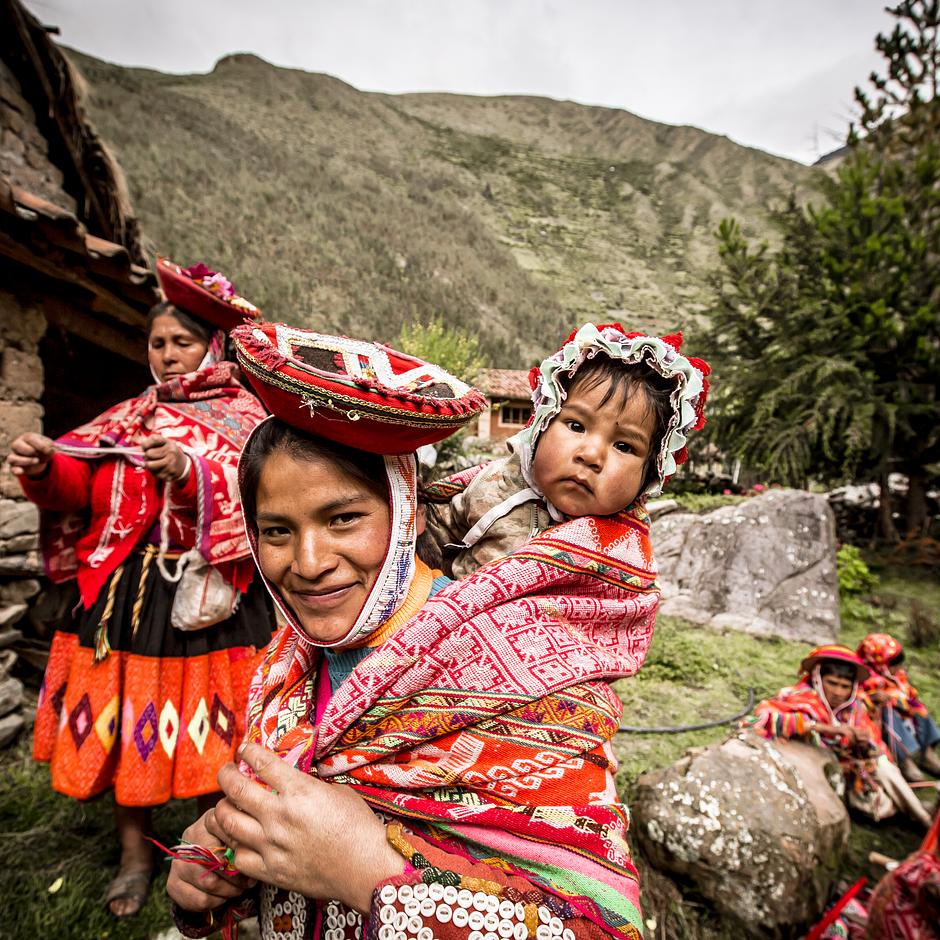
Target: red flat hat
column 354, row 392
column 834, row 651
column 204, row 294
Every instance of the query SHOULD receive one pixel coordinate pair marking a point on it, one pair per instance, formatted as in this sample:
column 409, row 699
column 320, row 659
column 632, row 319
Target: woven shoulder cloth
column 485, row 722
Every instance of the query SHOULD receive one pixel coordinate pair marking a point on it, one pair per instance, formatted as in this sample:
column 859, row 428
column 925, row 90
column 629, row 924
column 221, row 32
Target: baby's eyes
column 624, row 447
column 575, row 426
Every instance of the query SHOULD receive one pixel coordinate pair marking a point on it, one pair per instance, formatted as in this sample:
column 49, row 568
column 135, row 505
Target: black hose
column 632, row 729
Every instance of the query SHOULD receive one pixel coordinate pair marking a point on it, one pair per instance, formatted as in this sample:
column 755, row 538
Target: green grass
column 694, row 674
column 45, row 837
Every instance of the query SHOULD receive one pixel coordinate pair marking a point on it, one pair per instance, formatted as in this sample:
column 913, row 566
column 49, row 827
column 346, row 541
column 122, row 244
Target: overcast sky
column 773, row 74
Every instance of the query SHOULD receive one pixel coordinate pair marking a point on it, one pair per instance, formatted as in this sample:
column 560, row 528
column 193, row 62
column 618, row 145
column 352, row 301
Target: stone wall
column 21, row 381
column 24, row 152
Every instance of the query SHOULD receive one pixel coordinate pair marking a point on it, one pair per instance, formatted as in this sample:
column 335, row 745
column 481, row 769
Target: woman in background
column 129, row 702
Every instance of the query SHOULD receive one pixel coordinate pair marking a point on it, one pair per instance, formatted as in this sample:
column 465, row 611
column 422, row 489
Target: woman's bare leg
column 134, row 824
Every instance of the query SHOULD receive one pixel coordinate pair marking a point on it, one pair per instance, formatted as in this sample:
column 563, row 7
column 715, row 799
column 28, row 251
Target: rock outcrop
column 765, row 566
column 756, row 826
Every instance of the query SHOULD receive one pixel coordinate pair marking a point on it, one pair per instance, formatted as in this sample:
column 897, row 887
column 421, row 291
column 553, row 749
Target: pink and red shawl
column 484, row 723
column 210, row 415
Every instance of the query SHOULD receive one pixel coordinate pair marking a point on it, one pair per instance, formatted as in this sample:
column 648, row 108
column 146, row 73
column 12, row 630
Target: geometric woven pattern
column 169, row 728
column 106, row 724
column 145, row 732
column 80, row 721
column 198, row 729
column 222, row 720
column 489, row 715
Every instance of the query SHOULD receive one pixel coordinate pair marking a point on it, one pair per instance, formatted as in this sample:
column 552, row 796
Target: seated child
column 823, row 708
column 909, row 732
column 611, row 416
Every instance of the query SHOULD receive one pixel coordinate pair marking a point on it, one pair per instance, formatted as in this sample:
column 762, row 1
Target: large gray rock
column 756, row 827
column 765, row 566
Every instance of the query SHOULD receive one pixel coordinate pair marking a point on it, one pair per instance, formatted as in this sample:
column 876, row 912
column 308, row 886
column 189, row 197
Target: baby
column 611, row 416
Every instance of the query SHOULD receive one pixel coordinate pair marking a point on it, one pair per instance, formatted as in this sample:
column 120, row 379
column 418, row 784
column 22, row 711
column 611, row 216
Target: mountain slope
column 515, row 218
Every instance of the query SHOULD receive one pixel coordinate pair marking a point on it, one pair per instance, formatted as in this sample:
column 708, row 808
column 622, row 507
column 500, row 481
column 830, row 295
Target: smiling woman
column 322, row 527
column 397, row 768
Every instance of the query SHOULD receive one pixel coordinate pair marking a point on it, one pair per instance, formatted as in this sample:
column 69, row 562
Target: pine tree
column 829, row 347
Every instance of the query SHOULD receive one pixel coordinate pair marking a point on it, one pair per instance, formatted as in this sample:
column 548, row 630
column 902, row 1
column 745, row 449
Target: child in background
column 611, row 416
column 909, row 732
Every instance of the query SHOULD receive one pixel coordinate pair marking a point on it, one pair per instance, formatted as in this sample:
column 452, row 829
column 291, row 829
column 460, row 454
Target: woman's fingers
column 30, row 450
column 280, row 776
column 195, row 889
column 237, row 827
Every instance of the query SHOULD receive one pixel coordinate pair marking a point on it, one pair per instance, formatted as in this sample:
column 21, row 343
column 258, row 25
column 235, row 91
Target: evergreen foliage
column 827, row 350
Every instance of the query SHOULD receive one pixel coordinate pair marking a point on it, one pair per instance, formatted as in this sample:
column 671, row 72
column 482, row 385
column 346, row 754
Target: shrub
column 855, row 577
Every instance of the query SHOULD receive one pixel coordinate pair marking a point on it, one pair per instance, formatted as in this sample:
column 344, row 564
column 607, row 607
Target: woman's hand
column 319, row 839
column 195, row 888
column 163, row 458
column 30, row 454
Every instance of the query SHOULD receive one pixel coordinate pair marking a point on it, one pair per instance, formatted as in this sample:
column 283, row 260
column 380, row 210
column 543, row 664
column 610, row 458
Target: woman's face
column 172, row 349
column 838, row 689
column 322, row 538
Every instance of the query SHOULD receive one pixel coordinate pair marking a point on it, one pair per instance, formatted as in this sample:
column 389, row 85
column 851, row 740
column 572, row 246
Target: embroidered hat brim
column 188, row 294
column 613, row 341
column 357, row 393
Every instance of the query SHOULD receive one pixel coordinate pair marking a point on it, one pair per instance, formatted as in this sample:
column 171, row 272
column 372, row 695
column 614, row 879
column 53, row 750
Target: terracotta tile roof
column 506, row 383
column 43, row 236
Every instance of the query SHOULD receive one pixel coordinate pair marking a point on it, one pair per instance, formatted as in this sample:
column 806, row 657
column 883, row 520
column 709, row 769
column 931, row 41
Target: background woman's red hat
column 204, row 294
column 361, row 394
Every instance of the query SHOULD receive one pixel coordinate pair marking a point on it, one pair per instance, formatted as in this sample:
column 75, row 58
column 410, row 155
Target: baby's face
column 590, row 460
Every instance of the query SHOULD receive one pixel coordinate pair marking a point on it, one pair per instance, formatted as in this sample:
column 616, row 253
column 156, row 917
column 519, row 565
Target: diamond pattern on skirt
column 222, row 720
column 80, row 721
column 169, row 728
column 58, row 698
column 198, row 728
column 145, row 731
column 106, row 726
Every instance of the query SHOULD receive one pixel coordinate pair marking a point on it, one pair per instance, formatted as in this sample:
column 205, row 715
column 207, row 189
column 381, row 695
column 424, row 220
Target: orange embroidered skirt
column 163, row 710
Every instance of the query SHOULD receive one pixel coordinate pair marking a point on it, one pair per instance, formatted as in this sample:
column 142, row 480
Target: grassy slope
column 513, row 217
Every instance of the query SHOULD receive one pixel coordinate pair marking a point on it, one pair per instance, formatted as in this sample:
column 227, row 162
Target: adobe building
column 75, row 288
column 510, row 403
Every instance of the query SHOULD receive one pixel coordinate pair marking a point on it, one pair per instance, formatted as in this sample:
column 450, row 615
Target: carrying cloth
column 210, row 416
column 484, row 723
